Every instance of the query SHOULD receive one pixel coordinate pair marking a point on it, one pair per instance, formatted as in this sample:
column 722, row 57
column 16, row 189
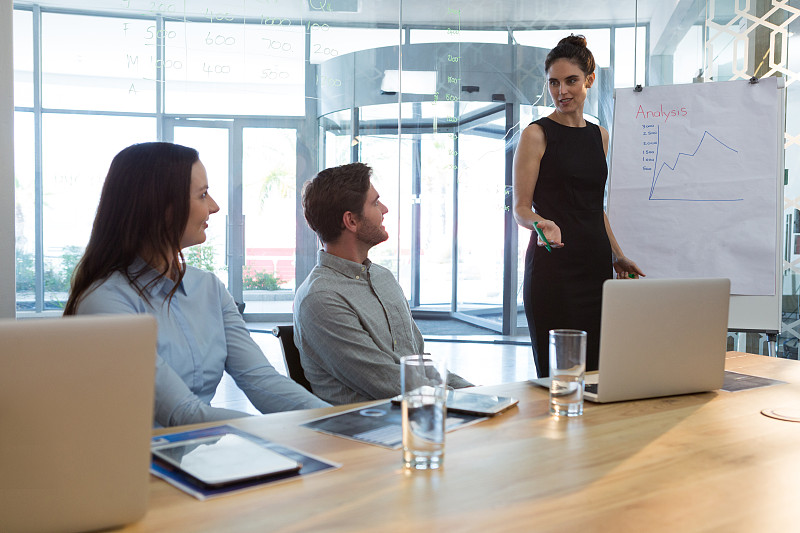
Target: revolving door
column 440, row 138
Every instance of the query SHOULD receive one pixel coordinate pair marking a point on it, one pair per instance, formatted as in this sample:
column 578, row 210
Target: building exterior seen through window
column 272, row 91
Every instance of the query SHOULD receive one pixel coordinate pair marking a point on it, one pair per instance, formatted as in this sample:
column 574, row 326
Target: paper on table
column 379, row 424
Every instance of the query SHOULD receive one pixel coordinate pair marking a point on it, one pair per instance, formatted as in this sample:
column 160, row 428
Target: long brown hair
column 144, row 207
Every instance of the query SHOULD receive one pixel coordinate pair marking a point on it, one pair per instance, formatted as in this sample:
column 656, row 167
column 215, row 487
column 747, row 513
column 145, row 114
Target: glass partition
column 212, row 144
column 79, row 73
column 73, row 170
column 431, row 93
column 268, row 194
column 25, row 223
column 230, row 68
column 430, row 96
column 23, row 59
column 481, row 216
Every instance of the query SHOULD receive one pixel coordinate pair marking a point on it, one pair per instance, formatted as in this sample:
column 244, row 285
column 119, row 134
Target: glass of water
column 567, row 370
column 424, row 386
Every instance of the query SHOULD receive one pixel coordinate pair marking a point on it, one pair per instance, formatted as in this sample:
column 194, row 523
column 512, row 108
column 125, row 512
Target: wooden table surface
column 700, row 462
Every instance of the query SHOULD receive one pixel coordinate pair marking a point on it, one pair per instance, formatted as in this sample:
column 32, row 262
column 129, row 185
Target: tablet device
column 473, row 403
column 224, row 459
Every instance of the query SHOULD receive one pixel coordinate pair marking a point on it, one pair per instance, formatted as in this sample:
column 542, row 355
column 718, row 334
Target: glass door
column 251, row 241
column 481, row 219
column 448, row 208
column 269, row 208
column 211, row 139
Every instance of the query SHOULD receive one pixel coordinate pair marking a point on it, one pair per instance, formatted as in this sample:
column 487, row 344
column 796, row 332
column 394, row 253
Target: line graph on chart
column 697, row 175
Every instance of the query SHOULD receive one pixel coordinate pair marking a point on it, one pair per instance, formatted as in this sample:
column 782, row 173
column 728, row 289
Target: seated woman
column 154, row 203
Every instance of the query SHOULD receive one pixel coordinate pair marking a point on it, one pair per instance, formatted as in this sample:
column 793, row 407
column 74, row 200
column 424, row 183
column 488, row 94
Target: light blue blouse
column 200, row 334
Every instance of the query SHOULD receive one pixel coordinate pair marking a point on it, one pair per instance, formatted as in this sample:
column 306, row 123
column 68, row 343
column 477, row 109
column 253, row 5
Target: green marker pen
column 631, row 276
column 541, row 236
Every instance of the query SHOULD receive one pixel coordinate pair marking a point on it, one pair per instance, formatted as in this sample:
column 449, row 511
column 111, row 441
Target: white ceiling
column 549, row 13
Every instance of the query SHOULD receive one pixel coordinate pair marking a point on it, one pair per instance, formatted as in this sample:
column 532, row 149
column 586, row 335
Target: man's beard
column 371, row 234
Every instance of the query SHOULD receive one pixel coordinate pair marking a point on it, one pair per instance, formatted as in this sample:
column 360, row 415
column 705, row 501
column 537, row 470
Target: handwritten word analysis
column 642, row 113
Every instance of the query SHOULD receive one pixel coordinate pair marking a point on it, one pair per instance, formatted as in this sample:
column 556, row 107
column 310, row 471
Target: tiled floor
column 481, row 363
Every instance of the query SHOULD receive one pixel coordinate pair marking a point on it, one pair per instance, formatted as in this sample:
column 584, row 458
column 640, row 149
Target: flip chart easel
column 696, row 189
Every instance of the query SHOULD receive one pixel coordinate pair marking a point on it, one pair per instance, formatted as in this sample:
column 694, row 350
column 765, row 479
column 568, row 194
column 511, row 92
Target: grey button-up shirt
column 352, row 324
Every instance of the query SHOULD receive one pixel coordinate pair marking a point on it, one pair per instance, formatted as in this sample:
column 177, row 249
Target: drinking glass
column 567, row 369
column 424, row 386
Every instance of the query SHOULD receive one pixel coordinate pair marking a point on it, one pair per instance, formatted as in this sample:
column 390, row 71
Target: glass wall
column 431, row 94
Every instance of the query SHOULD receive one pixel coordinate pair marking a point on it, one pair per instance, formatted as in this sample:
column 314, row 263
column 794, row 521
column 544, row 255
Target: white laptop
column 76, row 417
column 660, row 338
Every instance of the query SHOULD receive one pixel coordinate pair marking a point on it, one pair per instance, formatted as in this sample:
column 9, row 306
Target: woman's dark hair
column 333, row 192
column 143, row 209
column 572, row 48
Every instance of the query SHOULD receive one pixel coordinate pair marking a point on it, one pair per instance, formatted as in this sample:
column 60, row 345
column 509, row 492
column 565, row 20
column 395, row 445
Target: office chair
column 291, row 356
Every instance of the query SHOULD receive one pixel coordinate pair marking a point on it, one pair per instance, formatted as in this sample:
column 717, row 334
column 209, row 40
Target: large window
column 25, row 224
column 23, row 59
column 271, row 92
column 234, row 69
column 80, row 74
column 269, row 190
column 269, row 98
column 73, row 170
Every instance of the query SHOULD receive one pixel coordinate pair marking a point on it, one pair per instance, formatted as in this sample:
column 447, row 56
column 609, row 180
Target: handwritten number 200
column 318, row 49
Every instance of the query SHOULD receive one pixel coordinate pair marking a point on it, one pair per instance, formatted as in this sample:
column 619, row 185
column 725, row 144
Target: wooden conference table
column 701, row 462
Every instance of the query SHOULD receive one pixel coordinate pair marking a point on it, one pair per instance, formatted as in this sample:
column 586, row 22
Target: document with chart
column 694, row 181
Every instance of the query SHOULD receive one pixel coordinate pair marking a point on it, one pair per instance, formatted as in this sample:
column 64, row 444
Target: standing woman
column 560, row 175
column 154, row 203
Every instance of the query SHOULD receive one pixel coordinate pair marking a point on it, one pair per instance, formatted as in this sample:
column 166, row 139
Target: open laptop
column 76, row 417
column 660, row 338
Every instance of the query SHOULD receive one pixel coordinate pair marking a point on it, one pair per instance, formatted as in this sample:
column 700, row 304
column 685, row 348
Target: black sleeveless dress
column 563, row 288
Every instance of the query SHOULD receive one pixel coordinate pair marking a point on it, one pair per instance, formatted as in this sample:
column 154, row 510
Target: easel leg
column 741, row 342
column 773, row 344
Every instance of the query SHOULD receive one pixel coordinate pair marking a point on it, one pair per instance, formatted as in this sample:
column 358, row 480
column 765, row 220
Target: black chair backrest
column 291, row 355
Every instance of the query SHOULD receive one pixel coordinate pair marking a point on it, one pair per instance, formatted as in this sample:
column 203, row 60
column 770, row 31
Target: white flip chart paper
column 694, row 178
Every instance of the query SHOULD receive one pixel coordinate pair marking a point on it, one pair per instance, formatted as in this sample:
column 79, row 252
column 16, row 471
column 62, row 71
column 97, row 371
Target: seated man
column 352, row 322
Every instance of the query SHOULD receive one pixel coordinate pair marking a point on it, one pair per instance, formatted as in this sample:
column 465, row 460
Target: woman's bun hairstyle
column 573, row 48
